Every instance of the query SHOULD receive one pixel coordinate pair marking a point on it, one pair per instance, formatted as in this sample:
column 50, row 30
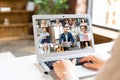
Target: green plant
column 51, row 6
column 31, row 0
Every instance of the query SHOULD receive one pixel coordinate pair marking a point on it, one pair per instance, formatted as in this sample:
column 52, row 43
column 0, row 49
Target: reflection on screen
column 59, row 35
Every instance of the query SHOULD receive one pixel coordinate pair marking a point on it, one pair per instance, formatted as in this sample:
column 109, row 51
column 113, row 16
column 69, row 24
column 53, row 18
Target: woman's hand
column 64, row 69
column 93, row 62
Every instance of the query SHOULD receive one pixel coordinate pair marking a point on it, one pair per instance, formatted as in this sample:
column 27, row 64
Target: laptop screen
column 57, row 34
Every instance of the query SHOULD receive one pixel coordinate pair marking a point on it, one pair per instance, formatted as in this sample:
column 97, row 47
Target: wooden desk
column 102, row 35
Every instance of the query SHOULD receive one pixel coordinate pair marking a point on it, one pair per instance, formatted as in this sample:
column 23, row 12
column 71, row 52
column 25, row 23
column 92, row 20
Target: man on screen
column 66, row 39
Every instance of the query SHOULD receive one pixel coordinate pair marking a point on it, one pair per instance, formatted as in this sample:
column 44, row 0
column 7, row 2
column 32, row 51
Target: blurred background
column 16, row 30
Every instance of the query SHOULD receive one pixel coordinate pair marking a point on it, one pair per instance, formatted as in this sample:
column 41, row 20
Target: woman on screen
column 43, row 23
column 57, row 23
column 84, row 35
column 74, row 28
column 58, row 29
column 66, row 23
column 44, row 36
column 46, row 48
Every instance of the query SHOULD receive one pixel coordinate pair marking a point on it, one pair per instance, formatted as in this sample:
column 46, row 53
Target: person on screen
column 84, row 35
column 66, row 23
column 57, row 23
column 87, row 45
column 44, row 36
column 60, row 48
column 46, row 48
column 43, row 23
column 74, row 23
column 66, row 38
column 110, row 70
column 58, row 29
column 74, row 29
column 83, row 22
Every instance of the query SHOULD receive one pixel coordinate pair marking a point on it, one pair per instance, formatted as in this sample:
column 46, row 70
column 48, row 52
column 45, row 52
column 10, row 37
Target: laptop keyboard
column 50, row 63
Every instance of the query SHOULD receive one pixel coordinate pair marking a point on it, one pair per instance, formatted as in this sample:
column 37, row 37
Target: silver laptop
column 66, row 36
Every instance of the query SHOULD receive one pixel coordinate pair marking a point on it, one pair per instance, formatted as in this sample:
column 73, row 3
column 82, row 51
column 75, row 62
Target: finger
column 95, row 59
column 89, row 58
column 57, row 64
column 89, row 65
column 74, row 61
column 66, row 61
column 61, row 61
column 85, row 59
column 54, row 64
column 55, row 70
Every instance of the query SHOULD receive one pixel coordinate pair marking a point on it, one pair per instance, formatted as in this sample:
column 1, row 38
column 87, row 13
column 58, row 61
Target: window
column 106, row 13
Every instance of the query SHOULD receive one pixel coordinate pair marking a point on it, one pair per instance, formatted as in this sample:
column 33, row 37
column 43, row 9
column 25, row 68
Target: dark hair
column 83, row 26
column 83, row 44
column 84, row 20
column 87, row 42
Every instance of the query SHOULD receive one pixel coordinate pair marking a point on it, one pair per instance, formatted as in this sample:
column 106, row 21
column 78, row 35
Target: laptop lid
column 62, row 35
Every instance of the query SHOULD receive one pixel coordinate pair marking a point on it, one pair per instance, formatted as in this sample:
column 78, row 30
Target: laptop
column 66, row 36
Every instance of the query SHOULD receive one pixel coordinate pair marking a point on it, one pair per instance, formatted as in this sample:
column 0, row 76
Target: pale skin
column 43, row 22
column 57, row 21
column 65, row 68
column 65, row 30
column 44, row 30
column 83, row 29
column 96, row 65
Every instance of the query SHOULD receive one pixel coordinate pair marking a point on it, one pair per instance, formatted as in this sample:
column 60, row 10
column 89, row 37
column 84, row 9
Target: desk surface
column 6, row 56
column 26, row 68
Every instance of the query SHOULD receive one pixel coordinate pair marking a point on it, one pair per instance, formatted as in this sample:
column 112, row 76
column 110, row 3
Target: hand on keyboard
column 50, row 63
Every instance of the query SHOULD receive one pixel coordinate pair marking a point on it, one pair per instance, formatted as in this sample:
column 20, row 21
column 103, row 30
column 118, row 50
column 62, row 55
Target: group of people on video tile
column 64, row 35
